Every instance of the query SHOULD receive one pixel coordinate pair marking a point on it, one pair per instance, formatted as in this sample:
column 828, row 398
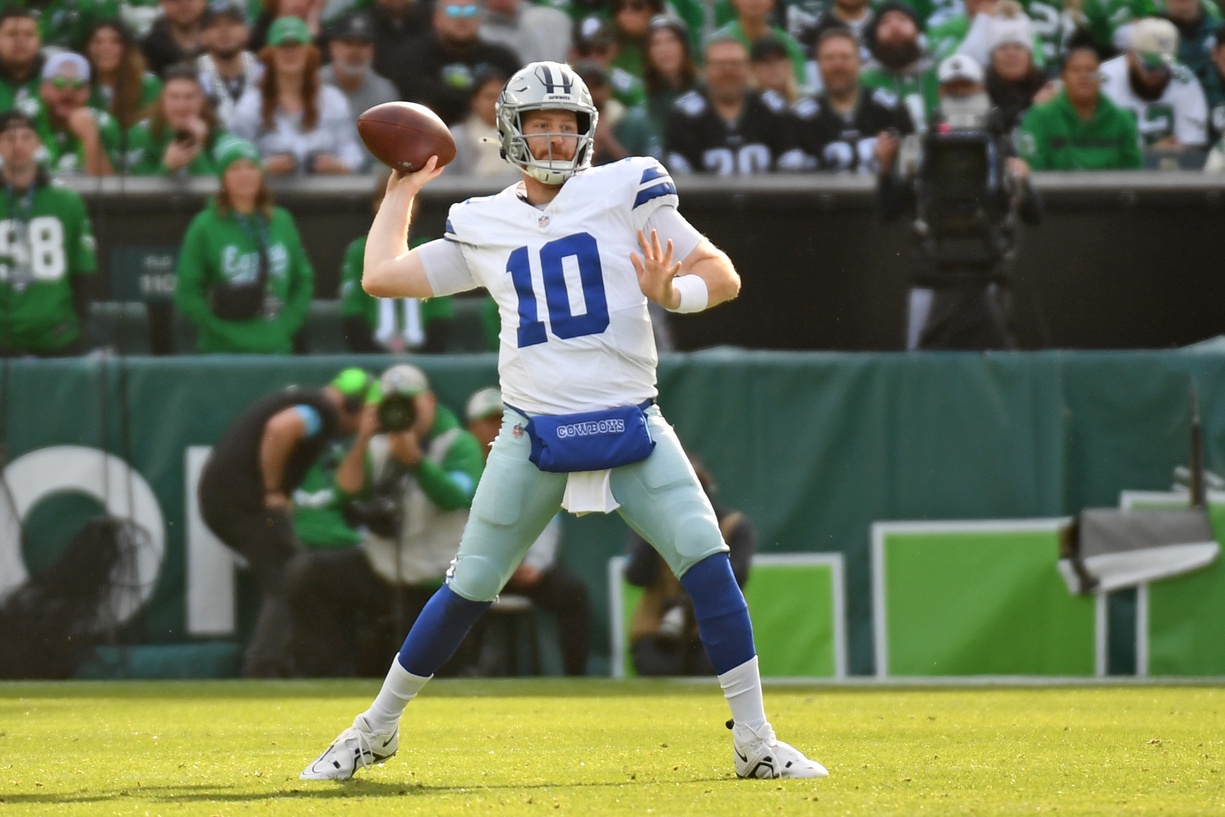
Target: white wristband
column 694, row 294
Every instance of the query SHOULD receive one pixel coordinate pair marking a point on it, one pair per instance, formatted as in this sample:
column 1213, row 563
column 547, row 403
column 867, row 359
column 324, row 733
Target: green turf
column 597, row 747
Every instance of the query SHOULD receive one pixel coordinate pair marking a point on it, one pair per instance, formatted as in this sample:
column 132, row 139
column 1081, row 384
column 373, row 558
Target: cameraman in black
column 405, row 485
column 965, row 189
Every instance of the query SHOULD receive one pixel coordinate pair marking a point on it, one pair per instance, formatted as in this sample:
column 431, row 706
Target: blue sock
column 438, row 631
column 722, row 615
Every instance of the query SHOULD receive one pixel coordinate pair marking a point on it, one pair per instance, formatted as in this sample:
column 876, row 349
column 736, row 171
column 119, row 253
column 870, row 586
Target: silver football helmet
column 545, row 86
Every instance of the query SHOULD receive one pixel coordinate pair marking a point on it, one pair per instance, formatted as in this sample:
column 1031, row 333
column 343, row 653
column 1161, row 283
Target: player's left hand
column 656, row 270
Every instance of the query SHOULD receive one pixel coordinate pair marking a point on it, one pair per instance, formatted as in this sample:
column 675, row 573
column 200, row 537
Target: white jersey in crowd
column 1182, row 110
column 575, row 333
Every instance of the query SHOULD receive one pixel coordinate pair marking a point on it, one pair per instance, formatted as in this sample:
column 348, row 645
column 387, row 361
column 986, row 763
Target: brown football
column 404, row 135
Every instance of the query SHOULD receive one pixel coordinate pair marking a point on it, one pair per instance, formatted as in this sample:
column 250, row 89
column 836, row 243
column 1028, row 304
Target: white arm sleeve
column 445, row 267
column 668, row 223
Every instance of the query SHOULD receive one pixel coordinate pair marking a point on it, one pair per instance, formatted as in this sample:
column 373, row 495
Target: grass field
column 597, row 747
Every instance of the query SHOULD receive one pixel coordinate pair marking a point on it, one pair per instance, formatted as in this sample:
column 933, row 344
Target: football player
column 571, row 254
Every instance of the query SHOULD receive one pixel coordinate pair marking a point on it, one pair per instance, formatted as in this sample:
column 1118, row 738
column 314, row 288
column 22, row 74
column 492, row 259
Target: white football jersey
column 1182, row 110
column 576, row 335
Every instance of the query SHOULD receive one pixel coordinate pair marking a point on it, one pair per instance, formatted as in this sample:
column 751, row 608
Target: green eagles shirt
column 388, row 317
column 317, row 517
column 45, row 240
column 918, row 90
column 220, row 249
column 1054, row 137
column 146, row 152
column 23, row 97
column 66, row 153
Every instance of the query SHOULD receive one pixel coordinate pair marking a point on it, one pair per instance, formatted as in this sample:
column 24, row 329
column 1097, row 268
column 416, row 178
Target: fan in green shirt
column 79, row 139
column 1080, row 129
column 181, row 132
column 243, row 277
column 20, row 62
column 47, row 252
column 389, row 324
column 119, row 83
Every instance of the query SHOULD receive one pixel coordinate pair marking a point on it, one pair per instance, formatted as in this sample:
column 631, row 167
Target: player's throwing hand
column 656, row 270
column 415, row 180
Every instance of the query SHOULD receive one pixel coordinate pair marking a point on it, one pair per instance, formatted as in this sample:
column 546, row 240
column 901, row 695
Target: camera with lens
column 965, row 213
column 396, row 412
column 379, row 514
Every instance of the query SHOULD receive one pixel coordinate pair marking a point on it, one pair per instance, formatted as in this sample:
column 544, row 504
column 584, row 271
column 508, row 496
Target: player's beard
column 896, row 56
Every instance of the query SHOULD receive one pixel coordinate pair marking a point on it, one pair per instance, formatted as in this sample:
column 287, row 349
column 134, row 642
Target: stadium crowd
column 164, row 87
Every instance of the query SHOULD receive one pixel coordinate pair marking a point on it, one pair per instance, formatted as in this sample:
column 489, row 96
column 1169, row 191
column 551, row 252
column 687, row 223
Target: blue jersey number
column 582, row 248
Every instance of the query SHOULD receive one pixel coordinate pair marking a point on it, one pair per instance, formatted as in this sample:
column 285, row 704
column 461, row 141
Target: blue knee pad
column 722, row 615
column 438, row 631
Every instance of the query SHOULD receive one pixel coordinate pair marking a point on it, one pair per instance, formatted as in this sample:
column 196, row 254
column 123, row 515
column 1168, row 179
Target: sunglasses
column 461, row 12
column 66, row 82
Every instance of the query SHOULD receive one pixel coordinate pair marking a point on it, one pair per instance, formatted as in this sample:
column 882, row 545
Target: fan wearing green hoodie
column 1080, row 129
column 243, row 277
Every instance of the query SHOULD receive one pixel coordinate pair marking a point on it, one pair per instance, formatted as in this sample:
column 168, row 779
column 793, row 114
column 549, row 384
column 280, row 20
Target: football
column 404, row 135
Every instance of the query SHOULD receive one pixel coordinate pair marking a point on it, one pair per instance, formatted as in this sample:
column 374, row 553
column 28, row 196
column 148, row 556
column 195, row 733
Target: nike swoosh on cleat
column 744, row 758
column 389, row 740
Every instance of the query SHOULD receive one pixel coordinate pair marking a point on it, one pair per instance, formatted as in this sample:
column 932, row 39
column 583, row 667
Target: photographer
column 244, row 493
column 965, row 190
column 406, row 485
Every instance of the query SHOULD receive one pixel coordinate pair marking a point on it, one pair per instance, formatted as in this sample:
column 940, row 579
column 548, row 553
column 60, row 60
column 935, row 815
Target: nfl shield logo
column 543, row 222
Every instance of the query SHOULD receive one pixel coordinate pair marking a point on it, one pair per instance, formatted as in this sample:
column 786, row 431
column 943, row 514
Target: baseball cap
column 404, row 379
column 960, row 67
column 358, row 383
column 484, row 403
column 57, row 62
column 1154, row 42
column 288, row 30
column 354, row 27
column 768, row 47
column 224, row 8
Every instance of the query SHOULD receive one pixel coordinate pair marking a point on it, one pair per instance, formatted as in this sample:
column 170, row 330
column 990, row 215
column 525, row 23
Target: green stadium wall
column 815, row 447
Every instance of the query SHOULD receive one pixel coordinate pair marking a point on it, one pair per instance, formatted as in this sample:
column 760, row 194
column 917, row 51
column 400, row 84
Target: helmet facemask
column 546, row 86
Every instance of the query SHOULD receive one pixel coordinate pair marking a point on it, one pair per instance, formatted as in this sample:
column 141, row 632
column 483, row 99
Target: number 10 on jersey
column 562, row 320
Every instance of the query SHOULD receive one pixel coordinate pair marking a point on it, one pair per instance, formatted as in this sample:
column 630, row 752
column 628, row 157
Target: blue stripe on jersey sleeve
column 662, row 189
column 450, row 228
column 652, row 173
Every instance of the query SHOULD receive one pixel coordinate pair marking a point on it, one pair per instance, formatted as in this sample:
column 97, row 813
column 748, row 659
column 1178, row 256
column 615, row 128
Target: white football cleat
column 761, row 755
column 356, row 747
